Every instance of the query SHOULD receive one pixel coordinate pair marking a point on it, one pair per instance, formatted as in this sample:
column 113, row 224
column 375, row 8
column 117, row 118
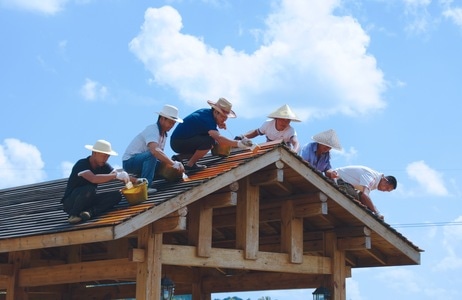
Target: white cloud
column 66, row 168
column 420, row 18
column 304, row 46
column 430, row 181
column 455, row 15
column 453, row 245
column 20, row 164
column 93, row 90
column 49, row 7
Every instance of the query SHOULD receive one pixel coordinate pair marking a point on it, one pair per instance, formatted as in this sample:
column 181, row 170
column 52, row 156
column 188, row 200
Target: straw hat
column 170, row 112
column 223, row 106
column 284, row 112
column 102, row 146
column 328, row 138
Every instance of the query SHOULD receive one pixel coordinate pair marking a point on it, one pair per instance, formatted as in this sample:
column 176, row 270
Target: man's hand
column 178, row 166
column 123, row 176
column 245, row 143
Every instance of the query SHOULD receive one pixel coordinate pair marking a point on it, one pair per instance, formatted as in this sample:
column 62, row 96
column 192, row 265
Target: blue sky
column 385, row 74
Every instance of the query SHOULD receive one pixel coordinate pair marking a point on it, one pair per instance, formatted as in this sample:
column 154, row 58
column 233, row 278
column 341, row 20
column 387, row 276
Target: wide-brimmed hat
column 102, row 146
column 223, row 106
column 284, row 112
column 170, row 112
column 328, row 138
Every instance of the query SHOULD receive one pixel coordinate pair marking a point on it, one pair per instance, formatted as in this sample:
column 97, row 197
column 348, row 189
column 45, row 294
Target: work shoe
column 74, row 219
column 195, row 167
column 85, row 215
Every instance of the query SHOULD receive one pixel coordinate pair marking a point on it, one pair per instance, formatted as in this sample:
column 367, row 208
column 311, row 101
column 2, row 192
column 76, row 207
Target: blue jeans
column 142, row 165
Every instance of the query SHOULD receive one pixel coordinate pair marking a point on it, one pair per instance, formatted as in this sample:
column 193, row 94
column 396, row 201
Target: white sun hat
column 284, row 112
column 102, row 146
column 170, row 112
column 328, row 138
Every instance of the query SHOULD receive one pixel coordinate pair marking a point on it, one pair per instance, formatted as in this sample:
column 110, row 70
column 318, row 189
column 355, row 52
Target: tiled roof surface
column 35, row 209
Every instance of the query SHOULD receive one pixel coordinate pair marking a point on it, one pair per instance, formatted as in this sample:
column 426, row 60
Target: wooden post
column 149, row 273
column 247, row 219
column 291, row 233
column 335, row 282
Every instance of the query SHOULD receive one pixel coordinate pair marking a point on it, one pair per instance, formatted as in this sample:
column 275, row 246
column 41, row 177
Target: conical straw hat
column 284, row 112
column 328, row 138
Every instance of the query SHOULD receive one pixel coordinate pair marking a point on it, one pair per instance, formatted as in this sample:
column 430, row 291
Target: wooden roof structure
column 258, row 220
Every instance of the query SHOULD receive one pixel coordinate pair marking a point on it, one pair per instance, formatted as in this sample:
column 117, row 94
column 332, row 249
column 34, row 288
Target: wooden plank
column 234, row 259
column 57, row 239
column 114, row 269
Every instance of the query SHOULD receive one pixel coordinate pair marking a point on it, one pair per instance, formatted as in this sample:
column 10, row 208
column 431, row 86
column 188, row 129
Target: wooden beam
column 6, row 269
column 204, row 238
column 234, row 259
column 220, row 200
column 261, row 281
column 170, row 224
column 337, row 281
column 74, row 237
column 267, row 177
column 247, row 219
column 352, row 231
column 137, row 255
column 149, row 272
column 354, row 243
column 114, row 269
column 291, row 233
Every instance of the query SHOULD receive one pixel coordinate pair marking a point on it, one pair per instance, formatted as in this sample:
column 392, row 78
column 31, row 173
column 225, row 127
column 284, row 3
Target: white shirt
column 268, row 128
column 360, row 176
column 140, row 143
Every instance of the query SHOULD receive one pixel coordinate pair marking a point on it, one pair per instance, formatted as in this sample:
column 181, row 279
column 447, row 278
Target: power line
column 430, row 224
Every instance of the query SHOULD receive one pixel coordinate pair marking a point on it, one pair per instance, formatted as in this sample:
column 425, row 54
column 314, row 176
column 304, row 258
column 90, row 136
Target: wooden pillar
column 149, row 272
column 337, row 281
column 18, row 260
column 291, row 233
column 248, row 219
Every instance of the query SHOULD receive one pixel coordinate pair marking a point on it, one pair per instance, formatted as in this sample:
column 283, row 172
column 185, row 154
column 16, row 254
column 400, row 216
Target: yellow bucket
column 221, row 150
column 137, row 194
column 169, row 173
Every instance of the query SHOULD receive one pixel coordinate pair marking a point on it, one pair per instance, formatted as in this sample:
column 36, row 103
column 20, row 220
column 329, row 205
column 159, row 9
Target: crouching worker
column 80, row 200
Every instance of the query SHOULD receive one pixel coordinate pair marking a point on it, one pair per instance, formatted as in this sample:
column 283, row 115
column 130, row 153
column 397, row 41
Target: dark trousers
column 347, row 188
column 189, row 146
column 85, row 198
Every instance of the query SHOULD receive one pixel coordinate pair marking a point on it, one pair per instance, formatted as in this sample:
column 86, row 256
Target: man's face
column 384, row 185
column 166, row 123
column 100, row 158
column 220, row 119
column 282, row 124
column 323, row 148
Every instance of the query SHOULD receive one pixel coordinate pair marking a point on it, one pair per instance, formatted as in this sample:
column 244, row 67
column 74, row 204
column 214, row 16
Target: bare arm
column 158, row 153
column 252, row 133
column 221, row 139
